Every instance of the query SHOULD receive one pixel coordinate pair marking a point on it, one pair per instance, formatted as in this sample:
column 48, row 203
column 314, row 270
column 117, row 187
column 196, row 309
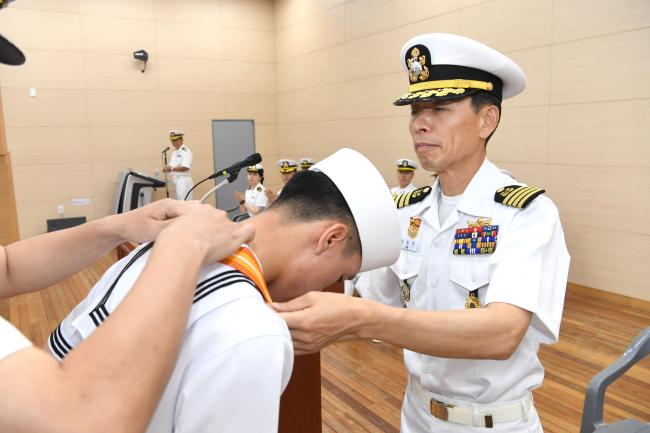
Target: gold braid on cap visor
column 458, row 83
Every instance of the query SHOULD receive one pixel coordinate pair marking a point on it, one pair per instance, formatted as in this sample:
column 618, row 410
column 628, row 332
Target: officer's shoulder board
column 259, row 188
column 411, row 197
column 518, row 196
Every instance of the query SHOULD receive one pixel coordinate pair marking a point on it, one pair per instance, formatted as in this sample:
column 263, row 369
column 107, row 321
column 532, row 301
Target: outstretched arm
column 44, row 260
column 112, row 381
column 318, row 319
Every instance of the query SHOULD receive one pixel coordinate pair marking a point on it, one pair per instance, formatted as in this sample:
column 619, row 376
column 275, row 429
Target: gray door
column 232, row 141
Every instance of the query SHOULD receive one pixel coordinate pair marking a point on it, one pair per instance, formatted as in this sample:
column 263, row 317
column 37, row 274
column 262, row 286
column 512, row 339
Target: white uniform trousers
column 416, row 418
column 182, row 184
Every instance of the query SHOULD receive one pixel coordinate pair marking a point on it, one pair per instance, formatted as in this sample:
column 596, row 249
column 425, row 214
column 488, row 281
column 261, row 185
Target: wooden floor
column 363, row 382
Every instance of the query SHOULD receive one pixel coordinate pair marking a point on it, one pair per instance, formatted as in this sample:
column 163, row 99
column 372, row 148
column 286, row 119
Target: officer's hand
column 145, row 223
column 317, row 319
column 238, row 196
column 207, row 232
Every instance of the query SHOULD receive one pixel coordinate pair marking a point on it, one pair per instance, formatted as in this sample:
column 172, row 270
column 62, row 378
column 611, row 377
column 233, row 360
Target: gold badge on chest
column 414, row 227
column 472, row 300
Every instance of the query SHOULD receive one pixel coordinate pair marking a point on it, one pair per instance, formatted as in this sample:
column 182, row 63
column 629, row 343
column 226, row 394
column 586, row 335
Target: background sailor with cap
column 493, row 262
column 306, row 162
column 180, row 165
column 288, row 168
column 405, row 172
column 254, row 200
column 236, row 358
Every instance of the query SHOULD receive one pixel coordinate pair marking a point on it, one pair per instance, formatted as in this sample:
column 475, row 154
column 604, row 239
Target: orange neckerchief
column 245, row 262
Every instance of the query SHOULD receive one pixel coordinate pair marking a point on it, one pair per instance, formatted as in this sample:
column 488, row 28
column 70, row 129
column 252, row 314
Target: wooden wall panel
column 96, row 113
column 117, row 35
column 322, row 31
column 578, row 76
column 8, row 216
column 509, row 25
column 598, row 134
column 603, row 199
column 203, row 12
column 522, row 135
column 572, row 20
column 49, row 145
column 249, row 14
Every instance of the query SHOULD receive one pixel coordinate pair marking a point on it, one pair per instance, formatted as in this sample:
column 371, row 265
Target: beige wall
column 320, row 74
column 578, row 130
column 95, row 113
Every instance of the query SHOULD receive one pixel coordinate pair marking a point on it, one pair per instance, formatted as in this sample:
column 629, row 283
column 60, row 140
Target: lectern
column 133, row 190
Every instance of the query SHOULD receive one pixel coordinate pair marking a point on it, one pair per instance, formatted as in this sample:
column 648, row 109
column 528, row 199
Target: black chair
column 592, row 413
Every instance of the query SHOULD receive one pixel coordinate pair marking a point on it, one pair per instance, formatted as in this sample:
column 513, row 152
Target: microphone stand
column 164, row 158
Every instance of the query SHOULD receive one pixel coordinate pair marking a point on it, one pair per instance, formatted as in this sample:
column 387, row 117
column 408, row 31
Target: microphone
column 165, row 150
column 234, row 168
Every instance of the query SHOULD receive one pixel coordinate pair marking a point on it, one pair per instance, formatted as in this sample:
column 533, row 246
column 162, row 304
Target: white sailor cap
column 445, row 66
column 371, row 203
column 287, row 165
column 306, row 162
column 175, row 134
column 404, row 164
column 257, row 168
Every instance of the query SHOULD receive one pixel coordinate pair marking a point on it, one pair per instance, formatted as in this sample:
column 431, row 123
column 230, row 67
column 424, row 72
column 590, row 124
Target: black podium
column 134, row 190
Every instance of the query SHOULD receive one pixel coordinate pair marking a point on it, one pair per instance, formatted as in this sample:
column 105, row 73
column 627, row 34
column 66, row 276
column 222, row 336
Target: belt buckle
column 439, row 409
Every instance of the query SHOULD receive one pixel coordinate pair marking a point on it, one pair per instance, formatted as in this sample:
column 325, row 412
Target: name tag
column 409, row 244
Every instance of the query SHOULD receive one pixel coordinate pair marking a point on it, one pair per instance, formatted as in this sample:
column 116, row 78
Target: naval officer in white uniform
column 488, row 252
column 180, row 165
column 405, row 172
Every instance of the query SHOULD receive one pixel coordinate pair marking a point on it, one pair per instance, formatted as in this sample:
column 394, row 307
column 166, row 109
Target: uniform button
column 426, row 370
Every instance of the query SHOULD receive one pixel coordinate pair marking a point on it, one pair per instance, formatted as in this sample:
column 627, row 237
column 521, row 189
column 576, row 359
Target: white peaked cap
column 371, row 203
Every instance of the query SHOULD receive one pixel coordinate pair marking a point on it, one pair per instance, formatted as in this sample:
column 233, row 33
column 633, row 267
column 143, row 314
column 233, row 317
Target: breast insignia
column 411, row 197
column 518, row 196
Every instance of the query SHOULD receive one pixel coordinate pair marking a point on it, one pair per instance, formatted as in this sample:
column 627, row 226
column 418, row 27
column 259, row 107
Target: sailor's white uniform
column 397, row 190
column 234, row 363
column 182, row 180
column 256, row 196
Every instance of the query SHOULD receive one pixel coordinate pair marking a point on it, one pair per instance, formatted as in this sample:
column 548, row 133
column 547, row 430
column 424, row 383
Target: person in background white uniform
column 254, row 200
column 306, row 163
column 288, row 168
column 405, row 172
column 493, row 260
column 180, row 165
column 237, row 357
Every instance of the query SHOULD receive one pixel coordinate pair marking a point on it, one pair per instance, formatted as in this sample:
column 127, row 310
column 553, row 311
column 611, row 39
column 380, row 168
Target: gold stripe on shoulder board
column 518, row 196
column 411, row 197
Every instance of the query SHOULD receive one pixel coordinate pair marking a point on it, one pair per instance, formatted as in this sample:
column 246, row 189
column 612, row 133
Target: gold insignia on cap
column 417, row 66
column 518, row 196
